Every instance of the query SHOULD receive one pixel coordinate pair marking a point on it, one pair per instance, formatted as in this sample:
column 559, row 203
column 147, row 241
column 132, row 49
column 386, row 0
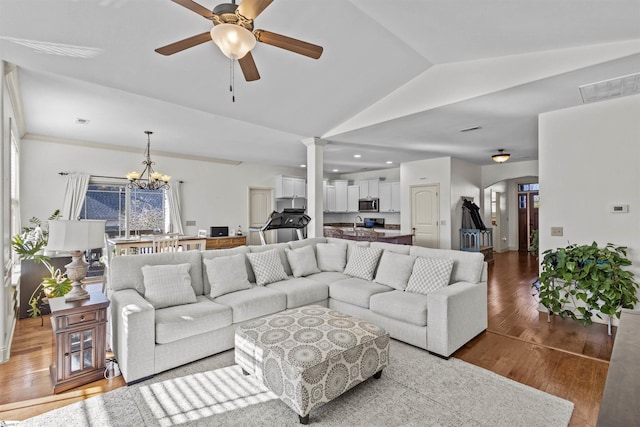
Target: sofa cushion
column 182, row 321
column 467, row 266
column 255, row 302
column 280, row 247
column 392, row 247
column 363, row 262
column 350, row 244
column 328, row 277
column 356, row 291
column 301, row 291
column 226, row 274
column 215, row 253
column 403, row 306
column 394, row 270
column 267, row 267
column 311, row 241
column 429, row 274
column 331, row 256
column 302, row 261
column 168, row 285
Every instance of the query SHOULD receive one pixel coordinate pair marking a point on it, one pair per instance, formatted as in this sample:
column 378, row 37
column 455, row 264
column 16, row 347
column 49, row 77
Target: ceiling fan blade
column 176, row 47
column 288, row 43
column 252, row 8
column 249, row 68
column 195, row 7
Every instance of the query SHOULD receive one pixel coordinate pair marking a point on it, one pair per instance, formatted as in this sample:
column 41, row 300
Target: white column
column 315, row 198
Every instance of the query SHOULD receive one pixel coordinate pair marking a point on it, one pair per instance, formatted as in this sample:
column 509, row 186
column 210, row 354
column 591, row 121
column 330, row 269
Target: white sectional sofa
column 174, row 308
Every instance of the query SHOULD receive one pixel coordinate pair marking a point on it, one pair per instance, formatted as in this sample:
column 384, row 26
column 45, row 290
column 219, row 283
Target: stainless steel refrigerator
column 289, row 234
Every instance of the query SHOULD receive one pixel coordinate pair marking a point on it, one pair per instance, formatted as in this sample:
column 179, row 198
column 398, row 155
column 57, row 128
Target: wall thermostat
column 619, row 208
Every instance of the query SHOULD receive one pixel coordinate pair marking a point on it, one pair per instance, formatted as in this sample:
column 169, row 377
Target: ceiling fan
column 234, row 34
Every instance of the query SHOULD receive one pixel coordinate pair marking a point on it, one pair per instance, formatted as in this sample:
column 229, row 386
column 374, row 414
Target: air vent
column 612, row 88
column 471, row 128
column 57, row 48
column 82, row 121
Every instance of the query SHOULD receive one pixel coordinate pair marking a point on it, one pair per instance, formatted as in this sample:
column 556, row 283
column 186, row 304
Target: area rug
column 417, row 389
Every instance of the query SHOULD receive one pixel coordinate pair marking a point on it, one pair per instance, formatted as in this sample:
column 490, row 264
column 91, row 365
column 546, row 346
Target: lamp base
column 76, row 271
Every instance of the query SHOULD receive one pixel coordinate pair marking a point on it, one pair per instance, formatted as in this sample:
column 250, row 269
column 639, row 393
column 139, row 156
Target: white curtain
column 74, row 195
column 174, row 207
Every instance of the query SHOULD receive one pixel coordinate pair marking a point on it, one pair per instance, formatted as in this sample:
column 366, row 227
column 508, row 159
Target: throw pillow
column 267, row 266
column 168, row 285
column 331, row 256
column 363, row 262
column 394, row 270
column 429, row 274
column 227, row 274
column 302, row 261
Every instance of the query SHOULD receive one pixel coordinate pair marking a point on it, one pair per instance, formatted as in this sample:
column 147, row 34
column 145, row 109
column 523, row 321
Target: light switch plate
column 556, row 231
column 191, row 223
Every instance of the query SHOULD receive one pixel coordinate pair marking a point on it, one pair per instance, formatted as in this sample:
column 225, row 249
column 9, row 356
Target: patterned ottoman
column 310, row 355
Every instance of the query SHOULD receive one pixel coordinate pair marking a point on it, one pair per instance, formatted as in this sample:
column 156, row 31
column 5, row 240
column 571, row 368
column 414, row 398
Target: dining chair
column 166, row 243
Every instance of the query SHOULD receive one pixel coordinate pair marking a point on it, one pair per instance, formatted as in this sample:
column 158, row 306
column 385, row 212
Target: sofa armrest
column 133, row 329
column 455, row 314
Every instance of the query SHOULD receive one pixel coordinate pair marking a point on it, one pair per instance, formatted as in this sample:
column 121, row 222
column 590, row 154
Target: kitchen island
column 369, row 234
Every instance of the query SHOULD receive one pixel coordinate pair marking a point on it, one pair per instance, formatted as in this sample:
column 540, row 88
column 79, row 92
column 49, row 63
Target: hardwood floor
column 559, row 357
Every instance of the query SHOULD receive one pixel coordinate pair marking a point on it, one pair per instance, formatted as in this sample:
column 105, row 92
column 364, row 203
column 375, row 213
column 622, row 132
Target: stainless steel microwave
column 368, row 205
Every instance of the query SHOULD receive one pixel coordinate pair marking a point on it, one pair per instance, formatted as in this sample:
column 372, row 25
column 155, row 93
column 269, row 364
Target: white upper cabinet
column 369, row 188
column 353, row 195
column 341, row 195
column 290, row 187
column 389, row 197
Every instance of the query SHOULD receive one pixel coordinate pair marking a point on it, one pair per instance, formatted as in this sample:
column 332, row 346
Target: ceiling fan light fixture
column 233, row 40
column 501, row 157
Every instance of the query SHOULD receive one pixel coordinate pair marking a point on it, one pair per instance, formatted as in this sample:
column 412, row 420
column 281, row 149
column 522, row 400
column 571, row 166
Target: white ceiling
column 396, row 82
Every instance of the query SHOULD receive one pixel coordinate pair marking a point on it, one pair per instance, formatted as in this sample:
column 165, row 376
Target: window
column 528, row 187
column 127, row 211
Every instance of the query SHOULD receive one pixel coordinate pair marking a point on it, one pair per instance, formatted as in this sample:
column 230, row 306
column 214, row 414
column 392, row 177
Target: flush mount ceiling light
column 152, row 180
column 501, row 157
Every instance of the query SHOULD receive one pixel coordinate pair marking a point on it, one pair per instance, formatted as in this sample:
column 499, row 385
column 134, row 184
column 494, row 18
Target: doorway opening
column 528, row 204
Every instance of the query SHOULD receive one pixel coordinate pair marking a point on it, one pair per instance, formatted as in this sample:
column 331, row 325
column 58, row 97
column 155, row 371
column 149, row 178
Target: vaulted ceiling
column 398, row 80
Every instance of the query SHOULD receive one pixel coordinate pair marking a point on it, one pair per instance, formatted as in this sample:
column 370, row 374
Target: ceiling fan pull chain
column 232, row 80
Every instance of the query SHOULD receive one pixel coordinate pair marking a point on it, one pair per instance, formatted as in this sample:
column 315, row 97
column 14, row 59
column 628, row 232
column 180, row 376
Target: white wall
column 589, row 159
column 212, row 193
column 425, row 172
column 465, row 182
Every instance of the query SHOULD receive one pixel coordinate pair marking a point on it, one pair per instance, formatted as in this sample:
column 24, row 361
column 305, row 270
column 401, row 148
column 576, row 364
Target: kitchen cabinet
column 369, row 188
column 390, row 197
column 353, row 195
column 341, row 195
column 330, row 198
column 290, row 187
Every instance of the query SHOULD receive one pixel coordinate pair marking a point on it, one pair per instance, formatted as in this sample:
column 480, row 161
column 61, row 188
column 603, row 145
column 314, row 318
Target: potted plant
column 29, row 245
column 579, row 281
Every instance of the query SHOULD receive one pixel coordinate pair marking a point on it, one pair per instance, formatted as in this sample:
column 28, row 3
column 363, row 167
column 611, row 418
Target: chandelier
column 153, row 180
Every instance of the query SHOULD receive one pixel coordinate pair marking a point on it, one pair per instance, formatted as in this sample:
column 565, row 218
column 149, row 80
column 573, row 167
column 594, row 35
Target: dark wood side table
column 226, row 242
column 80, row 329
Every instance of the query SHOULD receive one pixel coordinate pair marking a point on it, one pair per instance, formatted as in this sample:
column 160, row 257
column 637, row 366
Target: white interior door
column 260, row 207
column 425, row 215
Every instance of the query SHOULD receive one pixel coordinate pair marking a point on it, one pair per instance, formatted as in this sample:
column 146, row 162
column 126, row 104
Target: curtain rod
column 104, row 176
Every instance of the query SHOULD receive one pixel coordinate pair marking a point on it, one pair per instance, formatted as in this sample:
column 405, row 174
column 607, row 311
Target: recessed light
column 357, row 156
column 82, row 121
column 335, row 170
column 389, row 162
column 303, row 166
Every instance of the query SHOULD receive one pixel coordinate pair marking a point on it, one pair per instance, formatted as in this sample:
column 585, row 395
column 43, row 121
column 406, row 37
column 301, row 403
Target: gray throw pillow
column 363, row 262
column 429, row 274
column 394, row 270
column 227, row 274
column 267, row 267
column 302, row 261
column 331, row 256
column 168, row 285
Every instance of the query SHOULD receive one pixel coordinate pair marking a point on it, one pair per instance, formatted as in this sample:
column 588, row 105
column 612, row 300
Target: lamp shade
column 233, row 40
column 66, row 235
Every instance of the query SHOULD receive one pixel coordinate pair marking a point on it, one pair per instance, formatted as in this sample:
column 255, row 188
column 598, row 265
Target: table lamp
column 76, row 237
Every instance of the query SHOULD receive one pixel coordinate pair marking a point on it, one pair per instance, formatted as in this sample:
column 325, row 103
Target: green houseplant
column 29, row 245
column 579, row 281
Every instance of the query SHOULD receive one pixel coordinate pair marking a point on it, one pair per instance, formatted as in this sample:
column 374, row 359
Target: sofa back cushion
column 302, row 261
column 215, row 253
column 226, row 274
column 350, row 244
column 394, row 269
column 392, row 247
column 280, row 247
column 467, row 266
column 168, row 285
column 429, row 274
column 331, row 256
column 312, row 241
column 125, row 271
column 363, row 262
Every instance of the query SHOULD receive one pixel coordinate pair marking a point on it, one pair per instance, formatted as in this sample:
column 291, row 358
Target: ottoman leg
column 304, row 420
column 244, row 372
column 377, row 375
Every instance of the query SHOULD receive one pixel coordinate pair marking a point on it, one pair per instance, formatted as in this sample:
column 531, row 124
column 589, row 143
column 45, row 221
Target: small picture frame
column 202, row 233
